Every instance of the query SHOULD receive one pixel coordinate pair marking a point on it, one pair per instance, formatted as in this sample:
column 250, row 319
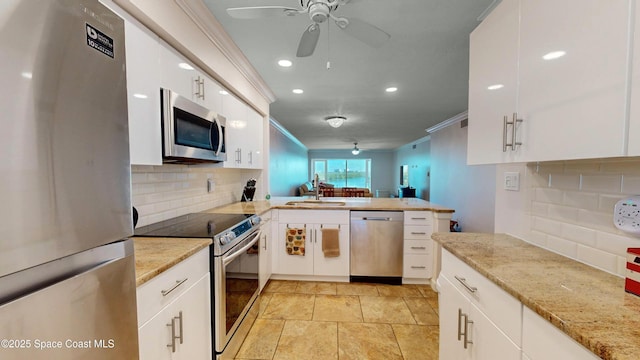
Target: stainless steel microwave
column 191, row 133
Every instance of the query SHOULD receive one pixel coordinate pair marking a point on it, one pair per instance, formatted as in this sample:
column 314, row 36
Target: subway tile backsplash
column 167, row 191
column 571, row 209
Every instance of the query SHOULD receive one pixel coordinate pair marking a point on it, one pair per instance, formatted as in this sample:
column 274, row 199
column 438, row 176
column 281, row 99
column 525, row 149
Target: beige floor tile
column 367, row 342
column 427, row 291
column 289, row 307
column 306, row 287
column 262, row 340
column 422, row 311
column 389, row 310
column 434, row 304
column 417, row 342
column 281, row 286
column 308, row 340
column 357, row 289
column 262, row 301
column 398, row 290
column 325, row 288
column 337, row 308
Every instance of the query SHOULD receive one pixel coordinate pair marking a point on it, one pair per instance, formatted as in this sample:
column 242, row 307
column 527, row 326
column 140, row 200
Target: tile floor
column 318, row 320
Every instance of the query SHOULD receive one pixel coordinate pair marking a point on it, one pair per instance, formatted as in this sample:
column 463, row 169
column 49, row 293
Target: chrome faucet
column 316, row 183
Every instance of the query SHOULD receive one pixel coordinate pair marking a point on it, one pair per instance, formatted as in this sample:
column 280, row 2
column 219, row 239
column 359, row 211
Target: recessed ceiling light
column 495, row 87
column 554, row 55
column 391, row 89
column 223, row 92
column 298, row 91
column 285, row 63
column 185, row 66
column 140, row 96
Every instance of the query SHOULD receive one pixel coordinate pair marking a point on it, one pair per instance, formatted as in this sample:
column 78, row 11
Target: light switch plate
column 626, row 215
column 512, row 181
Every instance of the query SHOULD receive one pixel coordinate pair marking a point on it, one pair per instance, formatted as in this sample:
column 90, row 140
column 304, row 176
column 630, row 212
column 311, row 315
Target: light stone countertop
column 388, row 204
column 156, row 255
column 587, row 304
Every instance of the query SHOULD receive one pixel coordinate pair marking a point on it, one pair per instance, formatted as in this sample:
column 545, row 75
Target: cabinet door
column 235, row 112
column 634, row 113
column 294, row 264
column 143, row 95
column 177, row 73
column 331, row 266
column 573, row 106
column 265, row 253
column 191, row 312
column 493, row 72
column 489, row 343
column 212, row 97
column 255, row 136
column 451, row 302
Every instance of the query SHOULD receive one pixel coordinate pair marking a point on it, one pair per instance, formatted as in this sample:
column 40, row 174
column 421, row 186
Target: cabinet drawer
column 416, row 266
column 497, row 304
column 418, row 247
column 314, row 216
column 418, row 218
column 149, row 295
column 418, row 232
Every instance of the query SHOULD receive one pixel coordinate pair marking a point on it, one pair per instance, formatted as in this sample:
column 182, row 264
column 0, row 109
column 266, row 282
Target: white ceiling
column 426, row 58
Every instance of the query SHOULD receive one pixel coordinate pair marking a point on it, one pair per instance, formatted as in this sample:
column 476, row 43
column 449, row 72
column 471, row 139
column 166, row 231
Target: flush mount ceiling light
column 285, row 63
column 391, row 89
column 355, row 150
column 297, row 91
column 335, row 121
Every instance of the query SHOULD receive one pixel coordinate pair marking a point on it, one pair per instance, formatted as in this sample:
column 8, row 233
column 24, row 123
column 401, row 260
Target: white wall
column 288, row 163
column 381, row 165
column 567, row 207
column 417, row 155
column 469, row 190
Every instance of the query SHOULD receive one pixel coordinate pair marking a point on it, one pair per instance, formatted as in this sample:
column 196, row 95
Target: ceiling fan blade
column 308, row 41
column 256, row 12
column 365, row 32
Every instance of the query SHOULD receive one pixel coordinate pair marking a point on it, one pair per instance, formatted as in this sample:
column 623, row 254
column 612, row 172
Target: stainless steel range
column 234, row 259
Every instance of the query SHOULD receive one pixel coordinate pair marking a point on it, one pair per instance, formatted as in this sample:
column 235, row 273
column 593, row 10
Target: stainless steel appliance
column 67, row 276
column 377, row 246
column 234, row 266
column 191, row 133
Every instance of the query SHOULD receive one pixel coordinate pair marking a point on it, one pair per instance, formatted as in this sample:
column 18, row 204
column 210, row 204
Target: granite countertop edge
column 154, row 256
column 595, row 328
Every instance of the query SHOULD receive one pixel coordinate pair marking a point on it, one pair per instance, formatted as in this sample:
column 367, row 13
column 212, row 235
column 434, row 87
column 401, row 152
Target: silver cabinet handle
column 466, row 330
column 179, row 317
column 172, row 325
column 418, row 233
column 197, row 85
column 514, row 122
column 202, row 84
column 418, row 248
column 239, row 155
column 418, row 218
column 418, row 267
column 463, row 281
column 178, row 283
column 315, row 236
column 459, row 326
column 504, row 133
column 250, row 157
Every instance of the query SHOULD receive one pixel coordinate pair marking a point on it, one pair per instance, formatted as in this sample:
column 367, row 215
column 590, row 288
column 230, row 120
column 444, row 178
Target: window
column 343, row 172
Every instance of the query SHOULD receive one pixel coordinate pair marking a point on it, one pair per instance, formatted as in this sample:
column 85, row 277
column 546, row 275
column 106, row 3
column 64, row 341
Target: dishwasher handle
column 376, row 219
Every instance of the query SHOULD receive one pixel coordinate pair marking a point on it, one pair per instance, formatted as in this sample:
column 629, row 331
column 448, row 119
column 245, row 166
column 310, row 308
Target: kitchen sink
column 316, row 203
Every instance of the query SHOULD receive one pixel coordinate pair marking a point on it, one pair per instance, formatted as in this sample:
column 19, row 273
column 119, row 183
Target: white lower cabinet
column 478, row 320
column 264, row 272
column 417, row 262
column 543, row 341
column 174, row 312
column 313, row 262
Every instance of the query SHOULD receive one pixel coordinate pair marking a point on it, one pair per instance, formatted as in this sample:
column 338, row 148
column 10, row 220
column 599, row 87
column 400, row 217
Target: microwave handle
column 211, row 137
column 220, row 137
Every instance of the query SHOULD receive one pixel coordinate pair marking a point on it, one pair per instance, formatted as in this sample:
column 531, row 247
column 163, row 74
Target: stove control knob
column 227, row 238
column 255, row 220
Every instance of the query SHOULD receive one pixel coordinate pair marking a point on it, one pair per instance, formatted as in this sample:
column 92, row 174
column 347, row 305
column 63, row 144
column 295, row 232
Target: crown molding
column 453, row 120
column 198, row 12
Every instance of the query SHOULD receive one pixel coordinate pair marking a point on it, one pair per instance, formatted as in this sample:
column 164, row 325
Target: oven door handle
column 227, row 259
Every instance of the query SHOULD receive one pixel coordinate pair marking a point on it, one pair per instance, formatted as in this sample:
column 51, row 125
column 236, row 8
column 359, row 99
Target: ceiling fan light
column 335, row 121
column 355, row 150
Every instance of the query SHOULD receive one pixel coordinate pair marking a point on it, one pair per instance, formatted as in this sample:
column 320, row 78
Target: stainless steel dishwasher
column 376, row 246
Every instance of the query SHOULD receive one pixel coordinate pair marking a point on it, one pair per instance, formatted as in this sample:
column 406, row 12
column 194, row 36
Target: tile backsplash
column 167, row 191
column 571, row 209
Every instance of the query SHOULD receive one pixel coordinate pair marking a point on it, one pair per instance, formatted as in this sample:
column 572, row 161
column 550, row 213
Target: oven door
column 236, row 287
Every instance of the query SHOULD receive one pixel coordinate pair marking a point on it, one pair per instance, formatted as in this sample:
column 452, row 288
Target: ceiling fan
column 319, row 11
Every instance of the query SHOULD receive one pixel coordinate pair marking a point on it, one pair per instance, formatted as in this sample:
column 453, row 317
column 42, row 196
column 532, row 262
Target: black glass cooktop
column 196, row 225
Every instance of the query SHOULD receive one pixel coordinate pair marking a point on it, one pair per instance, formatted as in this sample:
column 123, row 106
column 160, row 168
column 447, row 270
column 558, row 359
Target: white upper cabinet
column 256, row 141
column 571, row 81
column 143, row 95
column 244, row 134
column 634, row 122
column 493, row 84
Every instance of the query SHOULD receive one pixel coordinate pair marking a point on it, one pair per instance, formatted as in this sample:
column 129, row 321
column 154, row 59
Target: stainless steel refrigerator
column 67, row 282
